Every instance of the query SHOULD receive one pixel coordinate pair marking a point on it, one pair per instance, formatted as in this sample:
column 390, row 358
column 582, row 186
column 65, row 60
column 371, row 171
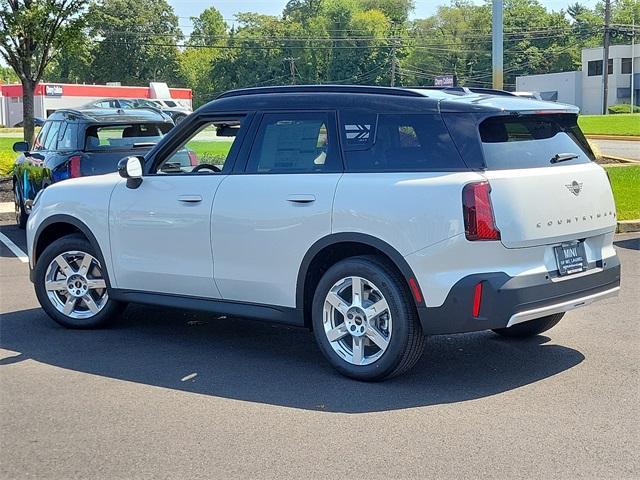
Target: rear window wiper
column 563, row 157
column 144, row 144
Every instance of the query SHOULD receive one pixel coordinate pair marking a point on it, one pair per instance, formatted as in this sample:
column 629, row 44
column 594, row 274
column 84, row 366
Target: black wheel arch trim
column 354, row 237
column 82, row 227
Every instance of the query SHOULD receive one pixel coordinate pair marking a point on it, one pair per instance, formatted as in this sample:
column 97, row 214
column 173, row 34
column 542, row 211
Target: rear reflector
column 415, row 290
column 74, row 166
column 477, row 299
column 479, row 222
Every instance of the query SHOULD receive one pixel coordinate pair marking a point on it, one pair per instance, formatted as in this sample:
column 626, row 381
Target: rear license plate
column 571, row 258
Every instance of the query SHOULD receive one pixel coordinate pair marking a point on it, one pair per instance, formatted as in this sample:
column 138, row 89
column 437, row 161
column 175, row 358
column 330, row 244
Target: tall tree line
column 328, row 41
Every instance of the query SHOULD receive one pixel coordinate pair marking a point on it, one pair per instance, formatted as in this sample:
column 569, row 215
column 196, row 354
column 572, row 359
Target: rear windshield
column 124, row 137
column 531, row 141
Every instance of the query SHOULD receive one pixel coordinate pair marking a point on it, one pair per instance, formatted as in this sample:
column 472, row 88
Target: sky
column 228, row 8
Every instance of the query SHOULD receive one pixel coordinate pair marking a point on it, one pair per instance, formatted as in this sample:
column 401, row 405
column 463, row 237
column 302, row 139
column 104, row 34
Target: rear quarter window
column 397, row 143
column 532, row 141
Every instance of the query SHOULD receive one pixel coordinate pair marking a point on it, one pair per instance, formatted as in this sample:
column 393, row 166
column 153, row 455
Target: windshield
column 125, row 136
column 531, row 141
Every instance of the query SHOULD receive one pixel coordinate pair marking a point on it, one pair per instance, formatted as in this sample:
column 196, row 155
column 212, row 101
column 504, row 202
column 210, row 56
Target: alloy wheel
column 357, row 320
column 75, row 285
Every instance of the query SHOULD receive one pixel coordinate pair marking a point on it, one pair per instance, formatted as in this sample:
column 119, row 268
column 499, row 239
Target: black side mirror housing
column 21, row 147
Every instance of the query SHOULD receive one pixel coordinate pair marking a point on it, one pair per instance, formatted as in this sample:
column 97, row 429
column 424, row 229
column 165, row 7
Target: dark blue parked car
column 74, row 143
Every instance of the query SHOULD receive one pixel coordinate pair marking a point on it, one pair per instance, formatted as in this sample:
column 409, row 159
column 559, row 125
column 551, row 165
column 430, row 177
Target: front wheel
column 364, row 320
column 530, row 328
column 71, row 284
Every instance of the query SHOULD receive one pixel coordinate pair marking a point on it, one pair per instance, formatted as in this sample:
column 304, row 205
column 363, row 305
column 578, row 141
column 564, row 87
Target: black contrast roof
column 387, row 99
column 111, row 115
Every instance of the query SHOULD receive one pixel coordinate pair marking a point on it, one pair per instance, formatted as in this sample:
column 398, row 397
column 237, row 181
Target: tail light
column 193, row 158
column 74, row 166
column 479, row 222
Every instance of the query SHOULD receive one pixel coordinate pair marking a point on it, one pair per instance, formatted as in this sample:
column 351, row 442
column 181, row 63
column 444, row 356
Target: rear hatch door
column 545, row 186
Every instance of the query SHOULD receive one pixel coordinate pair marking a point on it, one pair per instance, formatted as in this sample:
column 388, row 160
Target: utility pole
column 605, row 60
column 497, row 44
column 394, row 60
column 633, row 52
column 292, row 68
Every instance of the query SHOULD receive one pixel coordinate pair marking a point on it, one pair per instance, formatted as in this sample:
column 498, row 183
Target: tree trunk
column 28, row 89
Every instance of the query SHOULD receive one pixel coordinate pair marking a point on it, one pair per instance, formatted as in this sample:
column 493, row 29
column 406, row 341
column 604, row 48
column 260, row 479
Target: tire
column 530, row 328
column 399, row 341
column 21, row 215
column 92, row 281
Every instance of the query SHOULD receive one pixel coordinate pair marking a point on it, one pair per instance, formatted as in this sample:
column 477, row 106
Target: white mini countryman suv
column 374, row 216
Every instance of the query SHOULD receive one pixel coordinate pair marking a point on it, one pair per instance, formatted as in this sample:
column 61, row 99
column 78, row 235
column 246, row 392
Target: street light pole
column 497, row 44
column 605, row 60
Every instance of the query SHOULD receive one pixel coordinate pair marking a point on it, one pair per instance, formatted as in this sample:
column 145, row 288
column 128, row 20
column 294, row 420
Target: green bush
column 6, row 162
column 624, row 108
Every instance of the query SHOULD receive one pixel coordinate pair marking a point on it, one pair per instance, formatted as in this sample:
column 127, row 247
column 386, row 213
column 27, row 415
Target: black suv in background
column 74, row 143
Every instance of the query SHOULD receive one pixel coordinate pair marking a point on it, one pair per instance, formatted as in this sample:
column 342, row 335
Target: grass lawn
column 622, row 124
column 210, row 152
column 626, row 190
column 7, row 155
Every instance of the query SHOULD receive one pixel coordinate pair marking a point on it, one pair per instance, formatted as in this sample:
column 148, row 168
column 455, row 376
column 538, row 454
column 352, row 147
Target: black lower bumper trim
column 504, row 296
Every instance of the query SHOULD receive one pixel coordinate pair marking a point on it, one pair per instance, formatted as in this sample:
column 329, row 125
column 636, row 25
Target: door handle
column 189, row 198
column 301, row 198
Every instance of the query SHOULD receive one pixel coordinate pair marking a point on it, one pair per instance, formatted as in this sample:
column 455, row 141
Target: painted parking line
column 14, row 248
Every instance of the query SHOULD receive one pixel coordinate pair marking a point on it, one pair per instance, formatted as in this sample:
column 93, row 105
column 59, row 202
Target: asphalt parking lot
column 174, row 394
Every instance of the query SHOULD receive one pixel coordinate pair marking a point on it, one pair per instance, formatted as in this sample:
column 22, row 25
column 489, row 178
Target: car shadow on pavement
column 629, row 243
column 257, row 362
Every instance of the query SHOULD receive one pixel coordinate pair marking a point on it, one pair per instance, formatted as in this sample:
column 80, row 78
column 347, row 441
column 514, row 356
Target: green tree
column 137, row 41
column 32, row 33
column 196, row 61
column 7, row 75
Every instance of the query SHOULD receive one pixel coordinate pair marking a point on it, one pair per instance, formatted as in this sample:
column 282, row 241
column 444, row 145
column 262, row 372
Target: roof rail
column 75, row 111
column 467, row 90
column 401, row 92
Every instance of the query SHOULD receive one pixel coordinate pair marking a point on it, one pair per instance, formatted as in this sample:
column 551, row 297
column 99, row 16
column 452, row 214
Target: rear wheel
column 530, row 328
column 21, row 215
column 364, row 320
column 71, row 284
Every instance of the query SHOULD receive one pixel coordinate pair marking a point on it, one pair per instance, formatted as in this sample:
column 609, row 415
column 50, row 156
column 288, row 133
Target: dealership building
column 50, row 97
column 584, row 87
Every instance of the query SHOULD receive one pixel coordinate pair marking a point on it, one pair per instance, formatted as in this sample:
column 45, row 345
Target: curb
column 7, row 207
column 628, row 226
column 624, row 138
column 623, row 161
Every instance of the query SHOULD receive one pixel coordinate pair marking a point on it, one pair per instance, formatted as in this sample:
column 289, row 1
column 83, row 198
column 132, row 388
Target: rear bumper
column 510, row 300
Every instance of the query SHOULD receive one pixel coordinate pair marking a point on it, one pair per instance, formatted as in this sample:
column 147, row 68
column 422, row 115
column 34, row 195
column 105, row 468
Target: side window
column 51, row 141
column 397, row 143
column 296, row 142
column 42, row 136
column 205, row 151
column 68, row 138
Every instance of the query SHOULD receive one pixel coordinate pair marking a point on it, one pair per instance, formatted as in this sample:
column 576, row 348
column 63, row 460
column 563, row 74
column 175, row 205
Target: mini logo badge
column 574, row 187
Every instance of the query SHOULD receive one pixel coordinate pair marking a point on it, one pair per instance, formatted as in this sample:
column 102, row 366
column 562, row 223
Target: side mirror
column 21, row 147
column 131, row 169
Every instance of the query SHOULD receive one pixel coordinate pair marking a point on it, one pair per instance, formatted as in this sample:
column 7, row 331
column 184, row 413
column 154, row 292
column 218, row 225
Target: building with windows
column 50, row 97
column 584, row 87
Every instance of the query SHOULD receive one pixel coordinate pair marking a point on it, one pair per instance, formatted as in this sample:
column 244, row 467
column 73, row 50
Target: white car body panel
column 86, row 199
column 536, row 206
column 260, row 236
column 160, row 235
column 408, row 211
